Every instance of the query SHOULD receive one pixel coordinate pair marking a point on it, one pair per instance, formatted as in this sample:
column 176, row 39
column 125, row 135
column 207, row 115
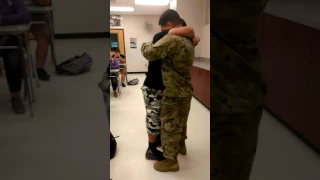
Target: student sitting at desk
column 114, row 64
column 13, row 58
column 122, row 59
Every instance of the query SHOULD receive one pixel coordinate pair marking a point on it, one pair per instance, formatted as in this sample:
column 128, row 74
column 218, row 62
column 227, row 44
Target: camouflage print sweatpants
column 233, row 144
column 174, row 117
column 152, row 99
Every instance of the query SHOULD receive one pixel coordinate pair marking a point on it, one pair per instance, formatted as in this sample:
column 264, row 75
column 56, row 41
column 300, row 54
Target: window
column 114, row 41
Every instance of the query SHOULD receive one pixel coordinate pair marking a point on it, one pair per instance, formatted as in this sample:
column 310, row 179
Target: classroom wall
column 193, row 12
column 133, row 26
column 205, row 42
column 81, row 16
column 306, row 12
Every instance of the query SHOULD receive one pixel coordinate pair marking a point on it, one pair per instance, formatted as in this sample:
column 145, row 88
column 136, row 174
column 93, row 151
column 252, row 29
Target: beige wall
column 195, row 15
column 306, row 12
column 133, row 26
column 193, row 12
column 79, row 16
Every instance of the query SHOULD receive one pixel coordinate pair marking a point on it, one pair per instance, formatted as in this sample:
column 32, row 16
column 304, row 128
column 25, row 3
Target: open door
column 117, row 40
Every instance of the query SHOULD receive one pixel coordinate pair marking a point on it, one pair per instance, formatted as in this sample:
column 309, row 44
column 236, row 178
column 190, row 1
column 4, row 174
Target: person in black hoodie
column 152, row 93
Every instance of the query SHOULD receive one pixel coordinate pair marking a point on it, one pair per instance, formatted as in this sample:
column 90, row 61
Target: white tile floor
column 68, row 137
column 128, row 122
column 281, row 155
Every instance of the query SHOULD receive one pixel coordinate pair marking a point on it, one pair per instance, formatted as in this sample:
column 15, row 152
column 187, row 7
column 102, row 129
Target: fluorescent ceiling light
column 127, row 9
column 152, row 2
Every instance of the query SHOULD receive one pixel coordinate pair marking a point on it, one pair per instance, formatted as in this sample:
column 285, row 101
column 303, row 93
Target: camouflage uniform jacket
column 177, row 54
column 236, row 82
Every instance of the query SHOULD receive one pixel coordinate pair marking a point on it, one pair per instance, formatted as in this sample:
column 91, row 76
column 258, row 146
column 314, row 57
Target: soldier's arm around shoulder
column 159, row 50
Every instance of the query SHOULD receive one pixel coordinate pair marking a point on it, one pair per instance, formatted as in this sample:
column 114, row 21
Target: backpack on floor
column 75, row 65
column 133, row 82
column 113, row 146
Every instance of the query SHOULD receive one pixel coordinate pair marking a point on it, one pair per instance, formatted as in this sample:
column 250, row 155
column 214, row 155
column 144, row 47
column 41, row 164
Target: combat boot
column 167, row 165
column 182, row 147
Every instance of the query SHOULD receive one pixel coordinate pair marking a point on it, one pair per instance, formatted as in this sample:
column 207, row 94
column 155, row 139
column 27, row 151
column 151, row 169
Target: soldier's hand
column 196, row 40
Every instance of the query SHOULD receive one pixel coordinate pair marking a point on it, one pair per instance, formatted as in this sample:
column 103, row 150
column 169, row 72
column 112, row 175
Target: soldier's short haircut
column 170, row 15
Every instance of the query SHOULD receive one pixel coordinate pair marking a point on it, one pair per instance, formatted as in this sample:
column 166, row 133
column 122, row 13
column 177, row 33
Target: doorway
column 117, row 40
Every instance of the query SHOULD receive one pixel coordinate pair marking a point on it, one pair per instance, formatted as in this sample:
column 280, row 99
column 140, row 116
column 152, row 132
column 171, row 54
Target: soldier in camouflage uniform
column 152, row 93
column 177, row 53
column 238, row 88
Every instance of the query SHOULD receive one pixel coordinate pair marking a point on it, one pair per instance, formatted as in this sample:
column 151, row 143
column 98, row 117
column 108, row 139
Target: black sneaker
column 157, row 155
column 123, row 85
column 158, row 141
column 43, row 75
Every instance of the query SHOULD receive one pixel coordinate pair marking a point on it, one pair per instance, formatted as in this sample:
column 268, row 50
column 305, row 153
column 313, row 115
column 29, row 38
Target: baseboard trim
column 136, row 72
column 93, row 35
column 294, row 131
column 201, row 102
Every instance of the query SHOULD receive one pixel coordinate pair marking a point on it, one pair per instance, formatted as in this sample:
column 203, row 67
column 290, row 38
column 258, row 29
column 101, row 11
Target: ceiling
column 138, row 9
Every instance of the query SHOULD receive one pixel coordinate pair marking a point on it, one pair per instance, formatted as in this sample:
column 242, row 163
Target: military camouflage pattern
column 233, row 144
column 177, row 54
column 236, row 81
column 152, row 99
column 174, row 117
column 237, row 87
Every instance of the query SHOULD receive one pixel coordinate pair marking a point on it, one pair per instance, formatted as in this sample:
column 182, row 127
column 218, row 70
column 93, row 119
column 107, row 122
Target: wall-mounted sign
column 115, row 21
column 133, row 42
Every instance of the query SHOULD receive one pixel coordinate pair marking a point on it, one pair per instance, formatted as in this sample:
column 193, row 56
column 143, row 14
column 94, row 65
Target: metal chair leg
column 28, row 94
column 30, row 59
column 29, row 65
column 28, row 87
column 52, row 45
column 29, row 76
column 119, row 86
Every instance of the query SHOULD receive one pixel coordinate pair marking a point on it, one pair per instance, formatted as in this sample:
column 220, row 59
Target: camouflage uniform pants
column 152, row 99
column 174, row 117
column 233, row 144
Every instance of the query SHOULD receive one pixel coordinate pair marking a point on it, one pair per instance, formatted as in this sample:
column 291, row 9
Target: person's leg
column 123, row 77
column 234, row 140
column 170, row 134
column 184, row 115
column 152, row 99
column 13, row 62
column 114, row 83
column 42, row 34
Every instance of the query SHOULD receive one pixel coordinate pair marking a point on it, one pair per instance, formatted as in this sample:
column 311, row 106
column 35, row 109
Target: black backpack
column 113, row 146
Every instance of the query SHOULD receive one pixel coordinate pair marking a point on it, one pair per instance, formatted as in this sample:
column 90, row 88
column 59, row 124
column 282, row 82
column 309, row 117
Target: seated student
column 114, row 64
column 122, row 59
column 13, row 59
